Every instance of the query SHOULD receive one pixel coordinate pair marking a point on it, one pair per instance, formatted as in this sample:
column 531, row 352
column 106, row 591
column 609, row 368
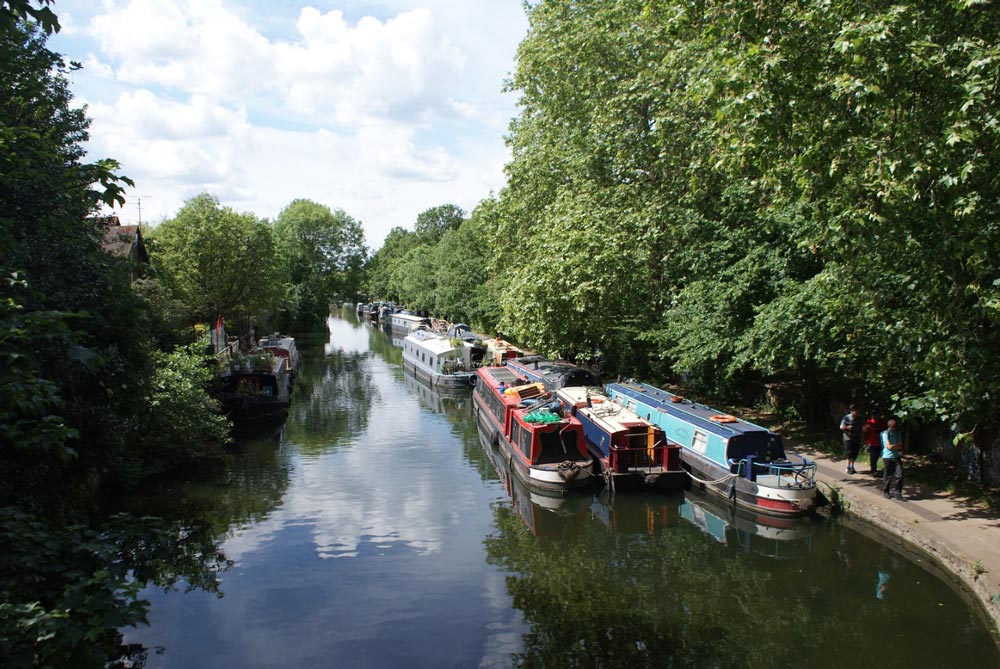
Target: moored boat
column 402, row 324
column 499, row 351
column 632, row 452
column 543, row 514
column 732, row 458
column 440, row 360
column 544, row 446
column 254, row 390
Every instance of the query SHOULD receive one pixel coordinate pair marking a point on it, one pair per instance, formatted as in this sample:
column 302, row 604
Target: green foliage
column 432, row 224
column 13, row 12
column 217, row 261
column 380, row 267
column 322, row 254
column 464, row 290
column 30, row 404
column 181, row 428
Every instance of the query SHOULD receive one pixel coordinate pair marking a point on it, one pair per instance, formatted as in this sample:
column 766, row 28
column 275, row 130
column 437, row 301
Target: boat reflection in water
column 438, row 399
column 770, row 536
column 543, row 515
column 637, row 514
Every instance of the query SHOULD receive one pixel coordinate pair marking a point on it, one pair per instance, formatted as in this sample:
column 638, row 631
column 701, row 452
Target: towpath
column 963, row 537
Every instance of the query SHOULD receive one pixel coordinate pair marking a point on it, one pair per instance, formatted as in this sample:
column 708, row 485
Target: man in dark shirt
column 850, row 427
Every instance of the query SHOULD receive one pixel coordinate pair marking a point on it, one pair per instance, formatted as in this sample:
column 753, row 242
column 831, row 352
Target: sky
column 381, row 108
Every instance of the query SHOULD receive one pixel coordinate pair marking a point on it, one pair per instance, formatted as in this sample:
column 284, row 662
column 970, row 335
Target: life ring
column 472, row 381
column 723, row 418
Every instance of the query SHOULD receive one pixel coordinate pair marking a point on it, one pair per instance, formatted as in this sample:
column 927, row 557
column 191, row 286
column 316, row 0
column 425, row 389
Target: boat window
column 524, row 440
column 699, row 442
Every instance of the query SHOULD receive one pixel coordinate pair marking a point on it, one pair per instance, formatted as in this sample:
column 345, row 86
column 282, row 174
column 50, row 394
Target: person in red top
column 871, row 429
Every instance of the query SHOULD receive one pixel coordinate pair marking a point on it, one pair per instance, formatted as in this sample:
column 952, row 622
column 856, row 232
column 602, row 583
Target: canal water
column 376, row 531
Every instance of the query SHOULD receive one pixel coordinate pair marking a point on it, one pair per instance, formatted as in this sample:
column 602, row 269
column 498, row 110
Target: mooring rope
column 722, row 480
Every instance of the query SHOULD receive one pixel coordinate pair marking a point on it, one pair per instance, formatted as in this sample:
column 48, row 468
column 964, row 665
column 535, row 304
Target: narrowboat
column 553, row 374
column 544, row 446
column 441, row 361
column 463, row 332
column 732, row 458
column 254, row 390
column 385, row 311
column 402, row 324
column 632, row 452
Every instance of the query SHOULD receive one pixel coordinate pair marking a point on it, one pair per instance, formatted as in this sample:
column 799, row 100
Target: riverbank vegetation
column 797, row 201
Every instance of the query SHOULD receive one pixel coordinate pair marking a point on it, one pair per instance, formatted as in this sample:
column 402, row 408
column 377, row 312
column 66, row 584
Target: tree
column 217, row 261
column 381, row 266
column 434, row 222
column 322, row 254
column 464, row 283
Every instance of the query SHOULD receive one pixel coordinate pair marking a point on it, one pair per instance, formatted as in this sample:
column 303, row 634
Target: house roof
column 118, row 239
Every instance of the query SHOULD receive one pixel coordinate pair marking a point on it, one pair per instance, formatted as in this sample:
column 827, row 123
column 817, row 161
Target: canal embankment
column 963, row 537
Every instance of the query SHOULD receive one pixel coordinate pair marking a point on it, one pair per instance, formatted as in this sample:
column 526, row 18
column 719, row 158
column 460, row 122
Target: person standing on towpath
column 850, row 426
column 872, row 429
column 892, row 459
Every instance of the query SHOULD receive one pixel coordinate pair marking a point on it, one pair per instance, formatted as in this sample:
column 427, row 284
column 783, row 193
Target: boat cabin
column 406, row 323
column 434, row 353
column 554, row 375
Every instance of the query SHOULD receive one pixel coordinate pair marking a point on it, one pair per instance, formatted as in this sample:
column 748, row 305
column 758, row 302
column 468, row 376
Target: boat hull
column 249, row 415
column 772, row 500
column 456, row 380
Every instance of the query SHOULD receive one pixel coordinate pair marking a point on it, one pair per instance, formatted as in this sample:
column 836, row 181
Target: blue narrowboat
column 730, row 457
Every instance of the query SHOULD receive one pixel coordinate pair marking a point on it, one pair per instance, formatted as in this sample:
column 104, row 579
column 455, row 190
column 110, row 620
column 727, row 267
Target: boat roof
column 430, row 341
column 602, row 409
column 686, row 409
column 503, row 374
column 410, row 317
column 554, row 374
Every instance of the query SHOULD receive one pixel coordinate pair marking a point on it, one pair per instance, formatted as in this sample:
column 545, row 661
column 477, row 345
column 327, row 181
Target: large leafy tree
column 807, row 190
column 433, row 223
column 464, row 280
column 322, row 254
column 217, row 260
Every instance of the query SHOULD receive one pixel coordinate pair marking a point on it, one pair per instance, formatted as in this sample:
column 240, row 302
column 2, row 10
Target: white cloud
column 195, row 142
column 197, row 47
column 383, row 109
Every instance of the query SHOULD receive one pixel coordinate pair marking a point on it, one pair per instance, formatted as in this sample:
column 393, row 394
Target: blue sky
column 382, row 109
